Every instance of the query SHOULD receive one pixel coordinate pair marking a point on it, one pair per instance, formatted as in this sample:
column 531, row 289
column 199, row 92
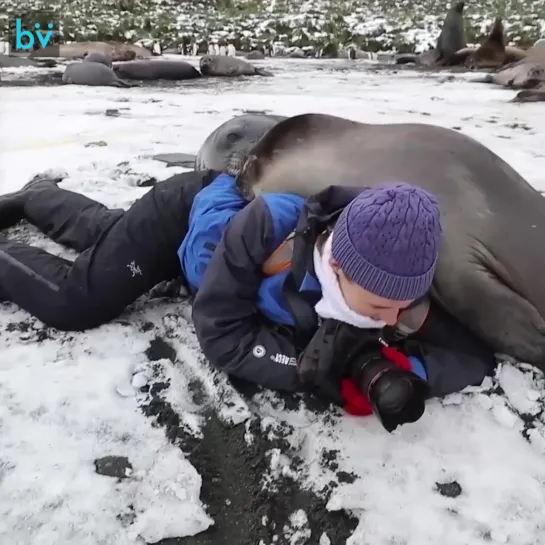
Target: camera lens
column 393, row 393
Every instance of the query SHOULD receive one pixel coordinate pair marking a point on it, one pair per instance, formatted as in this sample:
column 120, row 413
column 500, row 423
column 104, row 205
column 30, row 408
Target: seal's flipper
column 185, row 160
column 263, row 72
column 121, row 83
column 513, row 326
column 530, row 95
column 407, row 58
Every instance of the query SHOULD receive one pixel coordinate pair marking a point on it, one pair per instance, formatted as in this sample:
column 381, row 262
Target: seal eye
column 232, row 137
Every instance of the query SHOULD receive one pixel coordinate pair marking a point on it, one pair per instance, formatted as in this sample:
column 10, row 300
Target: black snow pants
column 122, row 254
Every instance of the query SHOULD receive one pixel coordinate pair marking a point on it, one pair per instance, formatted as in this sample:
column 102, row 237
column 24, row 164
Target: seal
column 117, row 51
column 185, row 160
column 156, row 69
column 531, row 95
column 489, row 274
column 493, row 53
column 96, row 56
column 525, row 74
column 221, row 65
column 452, row 37
column 233, row 138
column 7, row 61
column 91, row 73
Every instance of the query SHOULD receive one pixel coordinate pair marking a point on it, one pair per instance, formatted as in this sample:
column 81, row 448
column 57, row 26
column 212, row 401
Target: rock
column 113, row 466
column 449, row 490
column 98, row 144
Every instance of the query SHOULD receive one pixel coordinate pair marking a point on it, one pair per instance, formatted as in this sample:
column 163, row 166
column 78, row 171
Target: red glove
column 355, row 402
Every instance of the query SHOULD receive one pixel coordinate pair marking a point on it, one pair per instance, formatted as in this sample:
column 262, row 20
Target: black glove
column 326, row 359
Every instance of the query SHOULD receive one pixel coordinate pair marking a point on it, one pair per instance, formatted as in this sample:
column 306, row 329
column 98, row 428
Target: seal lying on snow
column 526, row 73
column 491, row 267
column 91, row 73
column 6, row 61
column 531, row 95
column 153, row 70
column 221, row 65
column 117, row 51
column 234, row 137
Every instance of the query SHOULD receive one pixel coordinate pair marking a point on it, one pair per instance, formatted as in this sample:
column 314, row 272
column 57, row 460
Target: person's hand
column 325, row 360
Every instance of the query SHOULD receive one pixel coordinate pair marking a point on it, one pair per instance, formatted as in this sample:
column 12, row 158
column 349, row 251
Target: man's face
column 366, row 303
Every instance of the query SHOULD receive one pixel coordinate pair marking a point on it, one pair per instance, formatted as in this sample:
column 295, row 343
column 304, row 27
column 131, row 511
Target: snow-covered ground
column 471, row 471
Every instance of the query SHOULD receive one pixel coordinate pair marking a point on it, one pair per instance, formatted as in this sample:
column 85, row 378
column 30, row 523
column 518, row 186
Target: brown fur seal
column 490, row 270
column 493, row 53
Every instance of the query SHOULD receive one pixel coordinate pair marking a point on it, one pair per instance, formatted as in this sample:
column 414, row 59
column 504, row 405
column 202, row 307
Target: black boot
column 12, row 204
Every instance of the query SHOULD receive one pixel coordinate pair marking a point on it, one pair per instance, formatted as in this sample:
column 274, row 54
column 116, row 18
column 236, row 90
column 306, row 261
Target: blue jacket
column 255, row 327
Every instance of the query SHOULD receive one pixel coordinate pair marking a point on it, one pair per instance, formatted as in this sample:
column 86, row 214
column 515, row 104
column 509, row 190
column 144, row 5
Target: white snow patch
column 59, row 405
column 59, row 411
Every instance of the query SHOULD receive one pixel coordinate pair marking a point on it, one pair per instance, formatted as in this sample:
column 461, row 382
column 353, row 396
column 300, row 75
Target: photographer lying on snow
column 262, row 273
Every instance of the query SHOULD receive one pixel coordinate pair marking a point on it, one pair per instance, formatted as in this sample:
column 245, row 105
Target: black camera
column 396, row 396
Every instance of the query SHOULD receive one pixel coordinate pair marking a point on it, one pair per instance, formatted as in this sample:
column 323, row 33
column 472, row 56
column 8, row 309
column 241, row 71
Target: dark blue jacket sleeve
column 453, row 356
column 233, row 334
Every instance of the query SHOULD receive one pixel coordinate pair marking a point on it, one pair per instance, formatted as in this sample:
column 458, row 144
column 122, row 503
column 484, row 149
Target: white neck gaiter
column 332, row 303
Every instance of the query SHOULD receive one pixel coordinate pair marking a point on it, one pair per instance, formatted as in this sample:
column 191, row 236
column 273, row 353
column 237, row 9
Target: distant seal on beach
column 233, row 139
column 490, row 270
column 453, row 36
column 7, row 61
column 451, row 39
column 525, row 74
column 154, row 70
column 531, row 95
column 493, row 53
column 116, row 50
column 96, row 56
column 91, row 73
column 221, row 65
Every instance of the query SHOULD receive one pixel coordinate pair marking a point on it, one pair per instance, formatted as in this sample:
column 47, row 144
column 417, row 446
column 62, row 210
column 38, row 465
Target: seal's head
column 459, row 7
column 384, row 249
column 205, row 63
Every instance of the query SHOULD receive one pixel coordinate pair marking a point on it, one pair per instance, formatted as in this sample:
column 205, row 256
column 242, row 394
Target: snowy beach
column 471, row 471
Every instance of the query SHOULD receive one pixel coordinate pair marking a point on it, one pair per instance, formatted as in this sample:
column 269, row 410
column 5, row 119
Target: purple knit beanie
column 387, row 241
